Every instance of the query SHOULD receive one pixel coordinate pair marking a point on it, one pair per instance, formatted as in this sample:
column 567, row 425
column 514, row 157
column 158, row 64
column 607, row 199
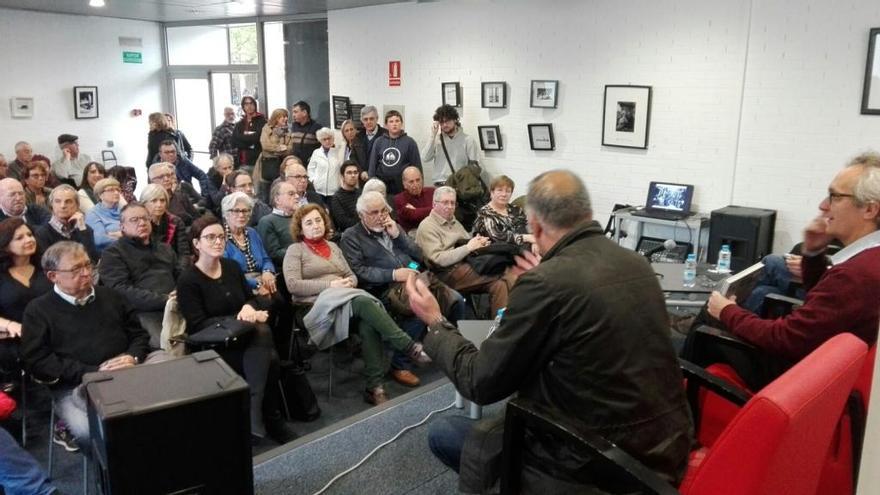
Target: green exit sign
column 132, row 58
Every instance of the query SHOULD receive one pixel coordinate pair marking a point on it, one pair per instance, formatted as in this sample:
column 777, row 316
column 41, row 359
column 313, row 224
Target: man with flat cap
column 69, row 168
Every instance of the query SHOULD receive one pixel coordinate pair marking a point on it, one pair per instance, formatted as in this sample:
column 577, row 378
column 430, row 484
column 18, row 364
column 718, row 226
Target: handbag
column 271, row 167
column 299, row 398
column 227, row 333
column 494, row 258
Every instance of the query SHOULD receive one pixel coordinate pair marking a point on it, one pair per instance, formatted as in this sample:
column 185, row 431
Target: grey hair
column 559, row 198
column 374, row 184
column 153, row 191
column 368, row 109
column 20, row 144
column 443, row 191
column 63, row 187
column 52, row 257
column 867, row 188
column 276, row 190
column 159, row 165
column 323, row 132
column 230, row 200
column 370, row 197
column 223, row 156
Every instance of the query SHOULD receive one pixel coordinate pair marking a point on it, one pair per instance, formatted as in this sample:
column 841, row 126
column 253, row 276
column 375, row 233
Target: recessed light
column 96, row 3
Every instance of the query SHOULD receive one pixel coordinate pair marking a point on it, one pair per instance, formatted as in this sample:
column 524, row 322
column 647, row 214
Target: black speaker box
column 748, row 231
column 176, row 427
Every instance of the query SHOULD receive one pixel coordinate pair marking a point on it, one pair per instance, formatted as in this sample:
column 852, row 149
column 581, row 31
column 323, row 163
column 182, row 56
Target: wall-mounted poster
column 490, row 138
column 871, row 91
column 341, row 110
column 541, row 137
column 85, row 102
column 626, row 116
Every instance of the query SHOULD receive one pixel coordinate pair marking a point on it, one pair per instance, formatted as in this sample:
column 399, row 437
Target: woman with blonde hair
column 275, row 140
column 167, row 228
column 159, row 131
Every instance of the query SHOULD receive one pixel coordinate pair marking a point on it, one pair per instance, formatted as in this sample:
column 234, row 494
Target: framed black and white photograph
column 541, row 137
column 626, row 116
column 871, row 91
column 21, row 107
column 543, row 94
column 341, row 110
column 490, row 138
column 494, row 94
column 451, row 93
column 85, row 102
column 355, row 109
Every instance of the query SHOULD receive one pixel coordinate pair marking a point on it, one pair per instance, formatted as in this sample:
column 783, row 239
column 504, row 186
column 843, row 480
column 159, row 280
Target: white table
column 476, row 331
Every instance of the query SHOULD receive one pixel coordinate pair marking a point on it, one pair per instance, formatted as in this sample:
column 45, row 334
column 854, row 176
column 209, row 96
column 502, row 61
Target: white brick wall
column 799, row 88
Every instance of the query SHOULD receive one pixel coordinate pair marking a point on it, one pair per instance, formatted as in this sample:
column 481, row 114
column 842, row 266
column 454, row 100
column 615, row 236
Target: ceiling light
column 96, row 3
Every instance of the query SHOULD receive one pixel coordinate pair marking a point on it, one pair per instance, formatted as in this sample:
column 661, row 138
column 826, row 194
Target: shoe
column 64, row 438
column 417, row 355
column 375, row 396
column 278, row 430
column 406, row 378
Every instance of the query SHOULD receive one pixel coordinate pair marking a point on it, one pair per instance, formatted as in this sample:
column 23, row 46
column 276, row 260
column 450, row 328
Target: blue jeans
column 20, row 474
column 415, row 328
column 446, row 438
column 776, row 280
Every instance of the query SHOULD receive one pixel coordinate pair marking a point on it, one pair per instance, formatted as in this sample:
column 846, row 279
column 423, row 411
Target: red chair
column 776, row 444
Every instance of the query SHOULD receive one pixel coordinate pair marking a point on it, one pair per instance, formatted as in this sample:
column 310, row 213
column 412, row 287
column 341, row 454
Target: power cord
column 388, row 442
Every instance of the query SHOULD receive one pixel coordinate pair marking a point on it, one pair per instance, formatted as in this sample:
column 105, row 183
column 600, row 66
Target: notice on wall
column 394, row 73
column 132, row 58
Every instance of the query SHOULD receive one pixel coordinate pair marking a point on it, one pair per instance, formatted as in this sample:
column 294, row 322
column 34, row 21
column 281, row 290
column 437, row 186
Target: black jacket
column 371, row 262
column 585, row 333
column 46, row 236
column 144, row 274
column 247, row 139
column 154, row 139
column 367, row 146
column 304, row 139
column 34, row 216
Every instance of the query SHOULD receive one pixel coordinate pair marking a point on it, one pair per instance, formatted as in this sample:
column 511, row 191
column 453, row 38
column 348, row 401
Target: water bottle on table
column 690, row 271
column 723, row 259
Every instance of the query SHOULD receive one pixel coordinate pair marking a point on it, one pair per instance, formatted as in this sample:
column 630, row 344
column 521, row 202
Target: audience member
column 353, row 149
column 244, row 246
column 223, row 165
column 221, row 138
column 296, row 174
column 104, row 217
column 185, row 170
column 303, row 131
column 75, row 329
column 34, row 178
column 274, row 228
column 142, row 270
column 165, row 227
column 367, row 136
column 392, row 153
column 91, row 175
column 449, row 143
column 4, row 166
column 24, row 152
column 247, row 131
column 276, row 142
column 214, row 290
column 445, row 244
column 839, row 298
column 343, row 209
column 316, row 272
column 240, row 181
column 323, row 166
column 588, row 340
column 12, row 204
column 180, row 141
column 160, row 132
column 67, row 223
column 70, row 167
column 501, row 221
column 382, row 258
column 20, row 473
column 415, row 202
column 183, row 201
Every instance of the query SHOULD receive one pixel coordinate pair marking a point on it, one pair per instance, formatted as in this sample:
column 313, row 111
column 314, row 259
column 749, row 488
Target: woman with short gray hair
column 324, row 165
column 245, row 246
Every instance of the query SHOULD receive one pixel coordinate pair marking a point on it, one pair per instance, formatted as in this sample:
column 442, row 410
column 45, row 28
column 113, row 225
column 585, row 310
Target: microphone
column 668, row 245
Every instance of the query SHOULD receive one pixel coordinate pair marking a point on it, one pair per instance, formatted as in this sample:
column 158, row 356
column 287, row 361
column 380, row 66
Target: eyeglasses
column 112, row 189
column 240, row 211
column 213, row 238
column 375, row 213
column 137, row 220
column 833, row 196
column 297, row 177
column 449, row 202
column 78, row 270
column 169, row 175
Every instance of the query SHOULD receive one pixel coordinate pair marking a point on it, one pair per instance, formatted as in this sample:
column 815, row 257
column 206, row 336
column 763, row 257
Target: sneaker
column 375, row 396
column 64, row 438
column 417, row 355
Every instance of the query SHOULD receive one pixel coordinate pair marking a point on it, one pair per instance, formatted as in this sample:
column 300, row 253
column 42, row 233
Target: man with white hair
column 221, row 139
column 24, row 153
column 12, row 204
column 67, row 223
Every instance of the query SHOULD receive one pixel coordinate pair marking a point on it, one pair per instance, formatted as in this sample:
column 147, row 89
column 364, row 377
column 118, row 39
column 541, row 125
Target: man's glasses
column 137, row 220
column 167, row 176
column 834, row 196
column 78, row 269
column 213, row 238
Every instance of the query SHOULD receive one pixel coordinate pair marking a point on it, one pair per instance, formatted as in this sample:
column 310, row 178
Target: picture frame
column 626, row 116
column 493, row 94
column 544, row 94
column 85, row 102
column 451, row 93
column 541, row 137
column 21, row 107
column 490, row 137
column 341, row 110
column 871, row 89
column 355, row 110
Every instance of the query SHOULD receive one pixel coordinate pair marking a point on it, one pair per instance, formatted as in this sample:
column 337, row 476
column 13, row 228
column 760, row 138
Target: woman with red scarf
column 246, row 134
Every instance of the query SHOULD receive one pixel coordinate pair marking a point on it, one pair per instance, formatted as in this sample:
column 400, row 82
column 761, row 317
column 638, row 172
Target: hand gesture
column 78, row 220
column 793, row 263
column 391, row 227
column 524, row 262
column 422, row 302
column 67, row 154
column 815, row 238
column 717, row 303
column 435, row 128
column 403, row 274
column 478, row 242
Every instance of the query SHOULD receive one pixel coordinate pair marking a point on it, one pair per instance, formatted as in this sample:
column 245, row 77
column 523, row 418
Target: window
column 198, row 45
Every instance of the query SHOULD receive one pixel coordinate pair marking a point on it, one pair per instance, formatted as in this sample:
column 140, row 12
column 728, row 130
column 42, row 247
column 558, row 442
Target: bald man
column 585, row 333
column 12, row 204
column 415, row 202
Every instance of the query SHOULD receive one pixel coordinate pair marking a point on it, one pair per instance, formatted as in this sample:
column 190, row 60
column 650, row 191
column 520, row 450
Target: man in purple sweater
column 840, row 298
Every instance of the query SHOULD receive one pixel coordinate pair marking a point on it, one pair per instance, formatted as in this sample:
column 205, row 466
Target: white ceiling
column 189, row 10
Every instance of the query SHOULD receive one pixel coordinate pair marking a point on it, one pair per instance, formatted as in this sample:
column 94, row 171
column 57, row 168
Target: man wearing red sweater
column 844, row 297
column 415, row 202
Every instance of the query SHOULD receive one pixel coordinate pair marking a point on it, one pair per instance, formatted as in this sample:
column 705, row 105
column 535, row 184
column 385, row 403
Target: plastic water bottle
column 723, row 259
column 497, row 322
column 690, row 271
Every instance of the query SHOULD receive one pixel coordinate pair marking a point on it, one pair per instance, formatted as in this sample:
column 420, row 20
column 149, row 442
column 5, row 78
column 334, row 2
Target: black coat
column 246, row 137
column 367, row 146
column 144, row 274
column 35, row 216
column 46, row 236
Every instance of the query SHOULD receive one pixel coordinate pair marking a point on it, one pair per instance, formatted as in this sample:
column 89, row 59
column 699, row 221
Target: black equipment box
column 748, row 232
column 177, row 427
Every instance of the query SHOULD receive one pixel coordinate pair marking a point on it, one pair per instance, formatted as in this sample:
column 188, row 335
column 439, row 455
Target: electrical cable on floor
column 401, row 432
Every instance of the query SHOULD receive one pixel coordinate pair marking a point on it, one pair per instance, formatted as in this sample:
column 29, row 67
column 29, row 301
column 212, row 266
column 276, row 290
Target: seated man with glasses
column 274, row 228
column 297, row 175
column 75, row 329
column 142, row 269
column 840, row 298
column 183, row 201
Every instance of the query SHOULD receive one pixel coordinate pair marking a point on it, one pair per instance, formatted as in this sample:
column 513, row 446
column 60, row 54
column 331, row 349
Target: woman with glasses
column 104, row 217
column 34, row 178
column 501, row 221
column 167, row 228
column 244, row 245
column 91, row 175
column 214, row 289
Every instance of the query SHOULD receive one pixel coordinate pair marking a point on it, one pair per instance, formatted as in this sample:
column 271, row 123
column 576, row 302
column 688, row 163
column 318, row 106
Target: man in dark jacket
column 67, row 223
column 586, row 334
column 12, row 204
column 367, row 136
column 303, row 131
column 392, row 153
column 186, row 170
column 142, row 270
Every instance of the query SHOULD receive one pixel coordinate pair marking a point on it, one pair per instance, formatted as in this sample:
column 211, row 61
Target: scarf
column 319, row 247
